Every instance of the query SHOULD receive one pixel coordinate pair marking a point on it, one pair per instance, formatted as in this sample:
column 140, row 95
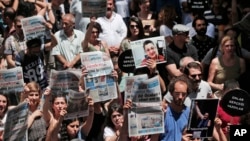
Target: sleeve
column 8, row 46
column 108, row 132
column 165, row 31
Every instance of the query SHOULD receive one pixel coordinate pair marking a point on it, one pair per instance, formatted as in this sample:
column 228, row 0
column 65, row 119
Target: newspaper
column 95, row 8
column 97, row 63
column 129, row 83
column 65, row 80
column 77, row 105
column 34, row 27
column 99, row 82
column 16, row 123
column 146, row 116
column 12, row 83
column 148, row 48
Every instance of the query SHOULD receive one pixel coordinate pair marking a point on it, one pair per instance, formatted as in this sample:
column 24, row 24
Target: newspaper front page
column 16, row 123
column 95, row 8
column 99, row 82
column 12, row 83
column 63, row 81
column 146, row 116
column 34, row 27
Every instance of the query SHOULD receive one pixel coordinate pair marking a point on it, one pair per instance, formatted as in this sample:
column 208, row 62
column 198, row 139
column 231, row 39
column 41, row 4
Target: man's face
column 35, row 51
column 195, row 75
column 180, row 93
column 67, row 24
column 200, row 27
column 110, row 7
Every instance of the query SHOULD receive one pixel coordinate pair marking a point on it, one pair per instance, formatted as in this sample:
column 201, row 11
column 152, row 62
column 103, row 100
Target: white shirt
column 114, row 29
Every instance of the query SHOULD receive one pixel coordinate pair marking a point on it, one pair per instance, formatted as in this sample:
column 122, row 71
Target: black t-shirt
column 33, row 68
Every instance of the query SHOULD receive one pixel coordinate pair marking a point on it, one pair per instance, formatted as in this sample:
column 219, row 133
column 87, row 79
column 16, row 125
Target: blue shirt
column 175, row 123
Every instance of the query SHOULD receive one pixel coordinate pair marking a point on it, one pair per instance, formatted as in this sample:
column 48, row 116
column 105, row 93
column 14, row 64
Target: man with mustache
column 114, row 28
column 200, row 88
column 201, row 41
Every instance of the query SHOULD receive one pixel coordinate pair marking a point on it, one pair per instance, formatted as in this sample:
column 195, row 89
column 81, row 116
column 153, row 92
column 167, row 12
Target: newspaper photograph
column 12, row 83
column 77, row 105
column 16, row 123
column 146, row 116
column 148, row 48
column 201, row 118
column 95, row 8
column 34, row 27
column 65, row 80
column 97, row 63
column 101, row 88
column 129, row 83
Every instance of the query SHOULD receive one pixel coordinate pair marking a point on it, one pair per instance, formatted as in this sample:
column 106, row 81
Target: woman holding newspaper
column 36, row 124
column 54, row 118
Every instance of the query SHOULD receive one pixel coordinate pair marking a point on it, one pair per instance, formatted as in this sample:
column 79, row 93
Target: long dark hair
column 7, row 101
column 65, row 123
column 115, row 107
column 140, row 26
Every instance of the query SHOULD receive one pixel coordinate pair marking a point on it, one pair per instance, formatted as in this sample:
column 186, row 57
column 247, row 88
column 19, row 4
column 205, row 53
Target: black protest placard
column 236, row 102
column 126, row 61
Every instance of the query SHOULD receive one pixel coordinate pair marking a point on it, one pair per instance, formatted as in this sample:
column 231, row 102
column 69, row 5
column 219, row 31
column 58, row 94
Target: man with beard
column 114, row 29
column 200, row 89
column 32, row 62
column 177, row 114
column 201, row 41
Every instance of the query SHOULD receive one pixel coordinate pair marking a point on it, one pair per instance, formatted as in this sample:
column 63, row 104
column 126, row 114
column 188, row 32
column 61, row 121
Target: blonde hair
column 33, row 87
column 224, row 40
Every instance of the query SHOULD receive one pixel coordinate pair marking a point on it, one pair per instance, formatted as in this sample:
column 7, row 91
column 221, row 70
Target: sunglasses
column 195, row 75
column 133, row 26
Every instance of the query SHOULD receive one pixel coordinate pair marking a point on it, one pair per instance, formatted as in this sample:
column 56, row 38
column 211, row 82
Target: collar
column 111, row 18
column 63, row 35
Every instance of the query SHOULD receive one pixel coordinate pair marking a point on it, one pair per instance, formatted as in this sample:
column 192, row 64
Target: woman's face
column 3, row 104
column 73, row 128
column 34, row 98
column 134, row 28
column 150, row 51
column 145, row 6
column 59, row 105
column 229, row 47
column 117, row 119
column 94, row 34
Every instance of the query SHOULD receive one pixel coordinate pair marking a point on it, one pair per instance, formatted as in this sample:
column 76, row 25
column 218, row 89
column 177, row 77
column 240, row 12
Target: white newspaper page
column 77, row 105
column 100, row 84
column 34, row 27
column 146, row 116
column 63, row 81
column 129, row 83
column 12, row 83
column 93, row 8
column 16, row 123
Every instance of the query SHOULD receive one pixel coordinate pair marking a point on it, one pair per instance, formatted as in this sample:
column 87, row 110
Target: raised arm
column 88, row 123
column 46, row 106
column 87, row 37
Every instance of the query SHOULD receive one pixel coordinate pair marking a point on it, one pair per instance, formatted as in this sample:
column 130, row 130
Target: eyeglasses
column 195, row 75
column 133, row 26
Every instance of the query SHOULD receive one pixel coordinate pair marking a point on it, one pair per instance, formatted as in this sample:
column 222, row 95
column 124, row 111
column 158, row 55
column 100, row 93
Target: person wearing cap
column 178, row 49
column 32, row 63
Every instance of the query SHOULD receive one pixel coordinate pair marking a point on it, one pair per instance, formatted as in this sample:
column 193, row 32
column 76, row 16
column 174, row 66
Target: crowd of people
column 207, row 52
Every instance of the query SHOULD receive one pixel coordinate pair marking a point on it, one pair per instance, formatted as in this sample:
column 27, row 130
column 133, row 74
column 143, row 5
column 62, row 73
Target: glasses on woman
column 134, row 26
